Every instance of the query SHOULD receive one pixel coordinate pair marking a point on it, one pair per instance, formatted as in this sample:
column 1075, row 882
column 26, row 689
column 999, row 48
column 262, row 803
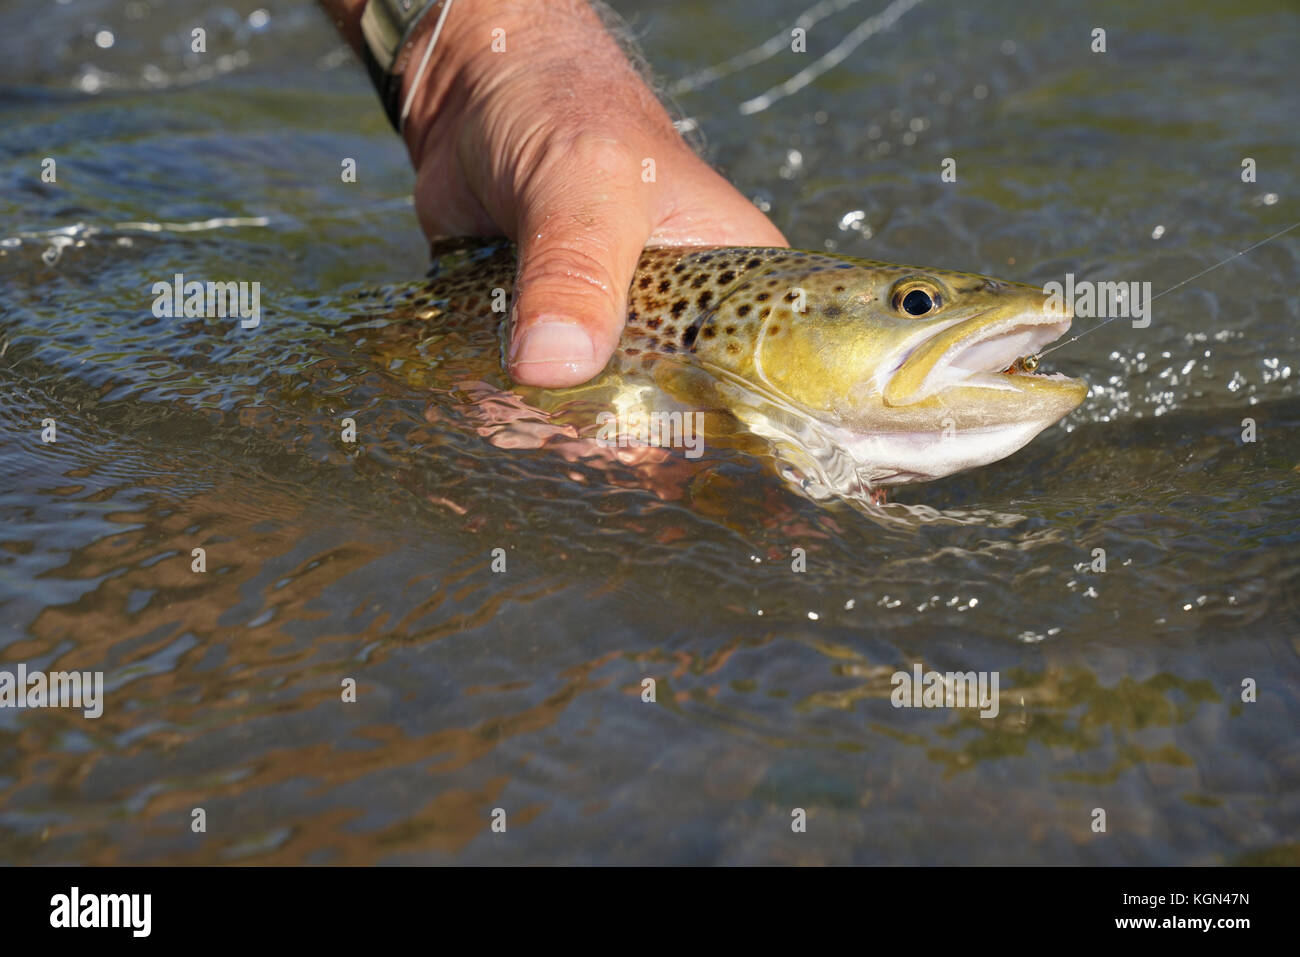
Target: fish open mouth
column 976, row 352
column 963, row 396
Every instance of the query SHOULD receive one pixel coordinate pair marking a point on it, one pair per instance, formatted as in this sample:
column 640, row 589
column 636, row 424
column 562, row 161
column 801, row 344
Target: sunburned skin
column 862, row 374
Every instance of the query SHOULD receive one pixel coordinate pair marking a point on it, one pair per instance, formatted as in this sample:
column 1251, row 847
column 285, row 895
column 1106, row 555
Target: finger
column 582, row 226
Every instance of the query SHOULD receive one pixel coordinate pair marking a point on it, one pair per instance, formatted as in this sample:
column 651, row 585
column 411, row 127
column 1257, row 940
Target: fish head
column 909, row 370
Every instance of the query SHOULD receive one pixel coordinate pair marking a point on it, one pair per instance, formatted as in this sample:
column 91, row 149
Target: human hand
column 558, row 143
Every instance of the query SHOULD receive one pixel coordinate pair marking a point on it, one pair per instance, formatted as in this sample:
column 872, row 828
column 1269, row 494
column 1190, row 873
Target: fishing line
column 764, row 51
column 868, row 28
column 1282, row 232
column 831, row 59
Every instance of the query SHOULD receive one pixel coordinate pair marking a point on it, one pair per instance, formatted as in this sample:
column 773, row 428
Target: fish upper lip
column 987, row 348
column 1028, row 333
column 919, row 344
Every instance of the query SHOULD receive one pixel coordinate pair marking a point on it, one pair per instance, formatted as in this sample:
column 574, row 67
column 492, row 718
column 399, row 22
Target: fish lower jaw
column 1006, row 381
column 900, row 458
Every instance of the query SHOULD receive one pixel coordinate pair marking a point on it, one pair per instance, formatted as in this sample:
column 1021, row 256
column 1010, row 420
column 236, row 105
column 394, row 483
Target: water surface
column 522, row 690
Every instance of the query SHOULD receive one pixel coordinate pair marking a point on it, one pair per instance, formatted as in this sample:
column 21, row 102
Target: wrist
column 432, row 94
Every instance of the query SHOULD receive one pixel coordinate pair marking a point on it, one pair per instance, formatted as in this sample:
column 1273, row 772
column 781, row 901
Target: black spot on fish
column 679, row 307
column 730, row 330
column 727, row 276
column 700, row 280
column 645, row 282
column 753, row 262
column 763, row 297
column 654, row 323
column 743, row 310
column 833, row 311
column 690, row 332
column 705, row 298
column 665, row 285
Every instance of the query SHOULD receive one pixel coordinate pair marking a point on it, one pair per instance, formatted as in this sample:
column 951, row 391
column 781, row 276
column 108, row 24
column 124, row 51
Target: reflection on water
column 482, row 687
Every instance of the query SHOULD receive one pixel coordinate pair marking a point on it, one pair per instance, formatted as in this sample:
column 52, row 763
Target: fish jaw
column 961, row 427
column 950, row 403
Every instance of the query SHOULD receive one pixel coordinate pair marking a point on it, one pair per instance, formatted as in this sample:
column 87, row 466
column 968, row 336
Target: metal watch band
column 387, row 26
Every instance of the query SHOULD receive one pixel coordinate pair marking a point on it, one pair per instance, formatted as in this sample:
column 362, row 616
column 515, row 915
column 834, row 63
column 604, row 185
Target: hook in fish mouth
column 1024, row 365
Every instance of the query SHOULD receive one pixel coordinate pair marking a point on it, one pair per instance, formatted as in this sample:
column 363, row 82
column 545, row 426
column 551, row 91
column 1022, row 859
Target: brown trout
column 858, row 374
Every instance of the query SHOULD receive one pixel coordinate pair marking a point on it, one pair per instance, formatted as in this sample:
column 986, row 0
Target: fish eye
column 916, row 300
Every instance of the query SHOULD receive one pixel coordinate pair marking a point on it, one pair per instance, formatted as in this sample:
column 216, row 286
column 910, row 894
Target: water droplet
column 852, row 220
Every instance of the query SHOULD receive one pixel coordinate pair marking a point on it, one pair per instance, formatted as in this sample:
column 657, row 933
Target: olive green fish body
column 863, row 373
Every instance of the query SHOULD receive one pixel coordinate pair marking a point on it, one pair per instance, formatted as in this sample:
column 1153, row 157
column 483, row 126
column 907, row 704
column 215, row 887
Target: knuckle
column 580, row 147
column 571, row 264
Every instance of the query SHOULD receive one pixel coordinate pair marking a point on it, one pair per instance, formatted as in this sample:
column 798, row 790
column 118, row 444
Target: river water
column 522, row 690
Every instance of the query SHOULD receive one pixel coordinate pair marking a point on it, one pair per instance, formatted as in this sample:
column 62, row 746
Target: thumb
column 580, row 237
